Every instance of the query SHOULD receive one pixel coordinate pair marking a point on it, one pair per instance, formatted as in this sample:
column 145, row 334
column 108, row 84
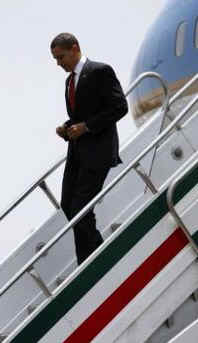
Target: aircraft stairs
column 131, row 288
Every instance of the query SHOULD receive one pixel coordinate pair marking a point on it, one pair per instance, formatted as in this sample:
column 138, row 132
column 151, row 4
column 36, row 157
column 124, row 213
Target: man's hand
column 76, row 130
column 62, row 131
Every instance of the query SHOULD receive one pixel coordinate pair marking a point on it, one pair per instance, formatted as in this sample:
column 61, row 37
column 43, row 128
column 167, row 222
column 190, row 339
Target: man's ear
column 75, row 48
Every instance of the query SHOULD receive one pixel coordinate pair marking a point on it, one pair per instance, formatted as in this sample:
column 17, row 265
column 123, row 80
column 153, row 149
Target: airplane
column 141, row 284
column 170, row 48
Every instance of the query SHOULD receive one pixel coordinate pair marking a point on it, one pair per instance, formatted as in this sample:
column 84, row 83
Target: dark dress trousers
column 100, row 103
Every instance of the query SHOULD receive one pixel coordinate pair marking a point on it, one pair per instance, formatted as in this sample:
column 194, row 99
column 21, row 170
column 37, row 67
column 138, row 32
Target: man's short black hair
column 64, row 40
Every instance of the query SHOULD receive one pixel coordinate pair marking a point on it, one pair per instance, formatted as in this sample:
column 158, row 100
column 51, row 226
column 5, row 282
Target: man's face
column 65, row 58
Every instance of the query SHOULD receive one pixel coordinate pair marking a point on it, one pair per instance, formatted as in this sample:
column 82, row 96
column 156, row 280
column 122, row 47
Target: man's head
column 65, row 49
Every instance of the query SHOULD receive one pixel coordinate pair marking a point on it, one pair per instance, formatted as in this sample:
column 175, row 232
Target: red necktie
column 72, row 91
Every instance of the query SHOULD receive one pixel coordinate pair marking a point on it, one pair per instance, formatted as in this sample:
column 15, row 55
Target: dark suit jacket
column 99, row 102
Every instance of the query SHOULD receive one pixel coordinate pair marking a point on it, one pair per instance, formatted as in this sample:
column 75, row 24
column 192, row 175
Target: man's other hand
column 76, row 130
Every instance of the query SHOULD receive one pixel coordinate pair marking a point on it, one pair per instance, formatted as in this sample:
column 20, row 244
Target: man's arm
column 114, row 100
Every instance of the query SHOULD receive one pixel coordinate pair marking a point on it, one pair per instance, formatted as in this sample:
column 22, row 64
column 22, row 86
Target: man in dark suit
column 95, row 102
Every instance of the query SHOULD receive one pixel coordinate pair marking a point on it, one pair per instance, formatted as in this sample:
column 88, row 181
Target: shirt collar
column 80, row 64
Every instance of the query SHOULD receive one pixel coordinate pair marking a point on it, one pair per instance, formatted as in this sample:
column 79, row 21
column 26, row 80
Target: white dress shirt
column 78, row 69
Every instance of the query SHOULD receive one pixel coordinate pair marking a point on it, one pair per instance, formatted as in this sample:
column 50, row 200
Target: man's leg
column 68, row 183
column 88, row 183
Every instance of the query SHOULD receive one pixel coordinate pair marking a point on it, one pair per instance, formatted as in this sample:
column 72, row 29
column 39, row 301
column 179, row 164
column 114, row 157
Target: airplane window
column 180, row 38
column 196, row 34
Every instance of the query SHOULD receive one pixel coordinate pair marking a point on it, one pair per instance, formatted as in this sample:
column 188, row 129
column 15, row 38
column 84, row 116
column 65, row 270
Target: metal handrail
column 169, row 196
column 171, row 102
column 41, row 181
column 183, row 89
column 92, row 203
column 151, row 75
column 177, row 95
column 31, row 188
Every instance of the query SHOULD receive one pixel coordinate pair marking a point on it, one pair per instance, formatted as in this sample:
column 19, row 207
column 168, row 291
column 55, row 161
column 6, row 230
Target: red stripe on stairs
column 107, row 311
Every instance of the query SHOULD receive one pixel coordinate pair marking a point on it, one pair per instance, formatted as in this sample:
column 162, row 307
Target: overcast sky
column 32, row 88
